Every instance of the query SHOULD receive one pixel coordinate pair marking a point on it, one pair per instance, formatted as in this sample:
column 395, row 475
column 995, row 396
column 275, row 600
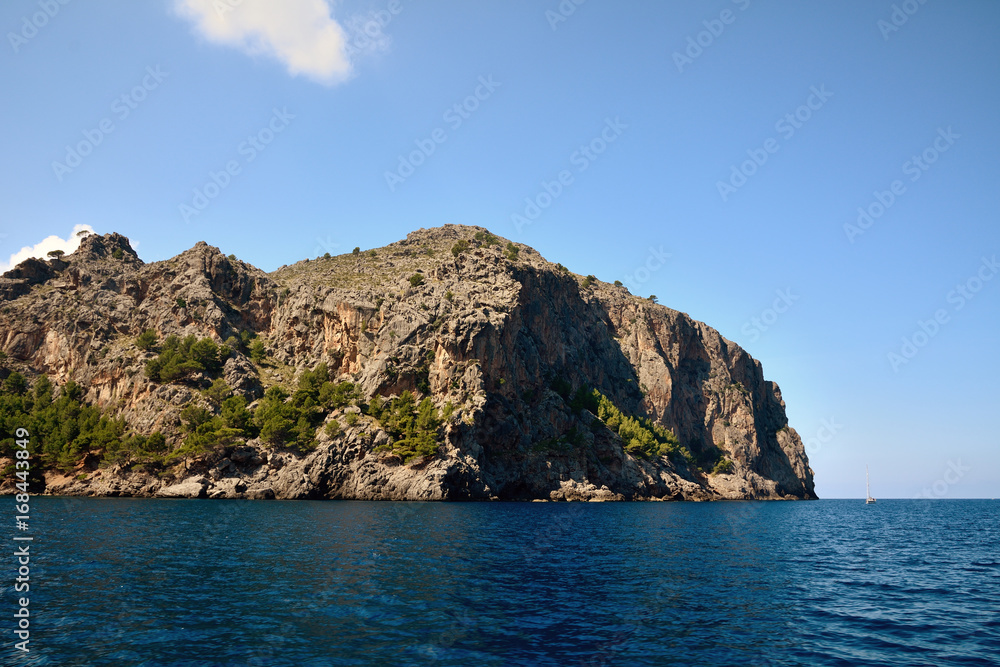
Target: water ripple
column 165, row 582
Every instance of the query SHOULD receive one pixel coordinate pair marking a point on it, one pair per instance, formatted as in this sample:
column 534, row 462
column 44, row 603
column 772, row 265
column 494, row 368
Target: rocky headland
column 451, row 365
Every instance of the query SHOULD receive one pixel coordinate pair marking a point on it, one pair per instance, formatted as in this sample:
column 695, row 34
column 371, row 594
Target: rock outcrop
column 452, row 313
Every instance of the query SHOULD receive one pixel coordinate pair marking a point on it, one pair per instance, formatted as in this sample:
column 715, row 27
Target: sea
column 119, row 581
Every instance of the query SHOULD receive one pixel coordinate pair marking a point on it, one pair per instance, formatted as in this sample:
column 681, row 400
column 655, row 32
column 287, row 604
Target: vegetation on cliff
column 66, row 428
column 182, row 357
column 63, row 427
column 640, row 434
column 413, row 428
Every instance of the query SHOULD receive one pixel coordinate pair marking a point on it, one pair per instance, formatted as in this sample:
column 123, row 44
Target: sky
column 816, row 180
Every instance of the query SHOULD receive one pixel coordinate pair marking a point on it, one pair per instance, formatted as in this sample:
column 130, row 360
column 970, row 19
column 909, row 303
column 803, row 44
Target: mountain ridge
column 519, row 352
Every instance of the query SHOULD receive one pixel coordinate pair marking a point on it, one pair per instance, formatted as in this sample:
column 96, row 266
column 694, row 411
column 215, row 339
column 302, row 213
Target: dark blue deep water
column 215, row 582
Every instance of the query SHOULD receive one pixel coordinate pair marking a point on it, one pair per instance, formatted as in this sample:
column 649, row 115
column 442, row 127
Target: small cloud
column 299, row 33
column 42, row 248
column 365, row 35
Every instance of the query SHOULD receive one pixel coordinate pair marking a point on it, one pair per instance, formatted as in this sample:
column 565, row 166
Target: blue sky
column 739, row 138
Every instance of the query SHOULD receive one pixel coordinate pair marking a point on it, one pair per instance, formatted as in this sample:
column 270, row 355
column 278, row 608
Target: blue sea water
column 216, row 582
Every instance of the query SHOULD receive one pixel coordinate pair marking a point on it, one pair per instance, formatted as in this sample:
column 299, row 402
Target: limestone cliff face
column 507, row 329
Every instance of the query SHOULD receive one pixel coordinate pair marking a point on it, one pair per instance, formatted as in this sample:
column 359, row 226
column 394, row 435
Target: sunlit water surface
column 215, row 582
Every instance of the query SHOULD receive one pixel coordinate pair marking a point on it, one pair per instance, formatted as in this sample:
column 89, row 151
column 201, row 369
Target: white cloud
column 365, row 33
column 299, row 33
column 41, row 249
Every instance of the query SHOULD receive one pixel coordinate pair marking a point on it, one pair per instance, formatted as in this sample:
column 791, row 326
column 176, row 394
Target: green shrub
column 181, row 303
column 588, row 281
column 585, row 399
column 257, row 351
column 181, row 358
column 218, row 392
column 459, row 247
column 117, row 253
column 356, row 251
column 312, row 381
column 334, row 396
column 206, row 353
column 723, row 467
column 16, row 384
column 423, row 373
column 315, row 390
column 205, row 432
column 619, row 283
column 282, row 422
column 146, row 340
column 245, row 338
column 486, row 238
column 351, row 418
column 235, row 415
column 641, row 436
column 511, row 252
column 375, row 407
column 315, row 396
column 416, row 280
column 413, row 428
column 449, row 295
column 156, row 442
column 193, row 416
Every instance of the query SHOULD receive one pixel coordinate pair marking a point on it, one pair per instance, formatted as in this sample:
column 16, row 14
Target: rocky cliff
column 513, row 352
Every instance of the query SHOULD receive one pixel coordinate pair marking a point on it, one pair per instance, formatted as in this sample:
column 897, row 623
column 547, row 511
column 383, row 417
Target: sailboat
column 868, row 489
